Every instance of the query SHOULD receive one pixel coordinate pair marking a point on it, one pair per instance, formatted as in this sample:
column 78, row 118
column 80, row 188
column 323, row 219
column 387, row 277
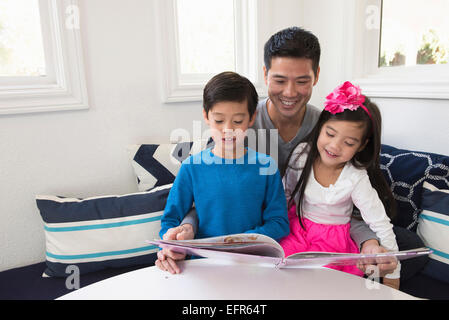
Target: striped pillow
column 433, row 228
column 101, row 232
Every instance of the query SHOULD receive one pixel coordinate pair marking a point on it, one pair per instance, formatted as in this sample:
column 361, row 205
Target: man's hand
column 393, row 283
column 167, row 258
column 385, row 267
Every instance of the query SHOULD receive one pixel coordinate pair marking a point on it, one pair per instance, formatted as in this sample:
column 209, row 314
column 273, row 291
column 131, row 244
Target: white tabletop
column 207, row 279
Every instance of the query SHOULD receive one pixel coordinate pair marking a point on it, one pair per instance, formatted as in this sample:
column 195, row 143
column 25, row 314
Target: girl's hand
column 387, row 266
column 167, row 258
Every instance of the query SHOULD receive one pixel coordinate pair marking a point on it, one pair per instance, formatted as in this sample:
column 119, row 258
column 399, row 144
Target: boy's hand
column 372, row 246
column 183, row 232
column 166, row 264
column 167, row 258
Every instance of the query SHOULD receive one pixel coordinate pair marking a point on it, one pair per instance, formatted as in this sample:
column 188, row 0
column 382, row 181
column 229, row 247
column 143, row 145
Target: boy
column 231, row 190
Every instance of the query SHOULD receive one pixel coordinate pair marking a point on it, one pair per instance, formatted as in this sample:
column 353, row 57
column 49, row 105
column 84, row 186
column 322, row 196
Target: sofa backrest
column 406, row 171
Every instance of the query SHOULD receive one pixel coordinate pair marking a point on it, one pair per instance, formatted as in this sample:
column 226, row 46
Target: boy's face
column 228, row 122
column 290, row 82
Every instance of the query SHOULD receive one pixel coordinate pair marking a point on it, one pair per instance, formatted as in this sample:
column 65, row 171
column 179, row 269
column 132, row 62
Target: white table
column 207, row 279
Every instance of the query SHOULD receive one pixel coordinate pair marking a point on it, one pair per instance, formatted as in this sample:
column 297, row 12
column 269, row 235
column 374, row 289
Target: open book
column 261, row 249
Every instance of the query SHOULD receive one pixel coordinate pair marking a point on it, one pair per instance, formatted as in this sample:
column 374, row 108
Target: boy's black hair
column 293, row 42
column 368, row 158
column 230, row 86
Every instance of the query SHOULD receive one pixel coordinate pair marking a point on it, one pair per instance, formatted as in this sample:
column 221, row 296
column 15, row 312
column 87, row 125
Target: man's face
column 290, row 82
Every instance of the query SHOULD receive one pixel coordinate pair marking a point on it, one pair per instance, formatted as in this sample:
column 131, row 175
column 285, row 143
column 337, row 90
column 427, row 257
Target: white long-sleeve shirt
column 334, row 204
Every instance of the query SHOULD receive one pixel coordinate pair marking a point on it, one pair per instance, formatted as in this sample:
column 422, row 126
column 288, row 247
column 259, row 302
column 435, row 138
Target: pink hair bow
column 345, row 96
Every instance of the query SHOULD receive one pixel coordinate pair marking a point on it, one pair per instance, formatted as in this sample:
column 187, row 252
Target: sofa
column 90, row 237
column 420, row 184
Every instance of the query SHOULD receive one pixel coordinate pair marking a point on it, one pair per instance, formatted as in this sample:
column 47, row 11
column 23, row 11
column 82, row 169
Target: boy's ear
column 205, row 116
column 253, row 119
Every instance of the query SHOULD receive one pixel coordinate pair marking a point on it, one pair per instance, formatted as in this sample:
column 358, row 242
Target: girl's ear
column 363, row 145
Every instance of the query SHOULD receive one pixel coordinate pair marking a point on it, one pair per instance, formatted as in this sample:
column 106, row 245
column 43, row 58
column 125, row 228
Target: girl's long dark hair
column 368, row 158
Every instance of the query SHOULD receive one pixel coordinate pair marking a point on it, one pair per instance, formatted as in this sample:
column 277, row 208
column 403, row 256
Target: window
column 401, row 48
column 41, row 67
column 200, row 38
column 21, row 44
column 413, row 33
column 205, row 36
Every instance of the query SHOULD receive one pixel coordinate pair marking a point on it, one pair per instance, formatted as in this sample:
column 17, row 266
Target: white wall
column 83, row 153
column 416, row 124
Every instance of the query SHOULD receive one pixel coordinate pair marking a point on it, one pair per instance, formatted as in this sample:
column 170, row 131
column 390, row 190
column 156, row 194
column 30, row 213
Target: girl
column 336, row 168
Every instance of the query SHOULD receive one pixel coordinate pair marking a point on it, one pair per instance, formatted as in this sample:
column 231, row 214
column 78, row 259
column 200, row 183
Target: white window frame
column 64, row 86
column 420, row 81
column 248, row 51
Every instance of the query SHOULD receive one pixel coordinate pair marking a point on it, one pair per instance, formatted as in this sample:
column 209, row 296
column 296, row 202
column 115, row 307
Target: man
column 291, row 70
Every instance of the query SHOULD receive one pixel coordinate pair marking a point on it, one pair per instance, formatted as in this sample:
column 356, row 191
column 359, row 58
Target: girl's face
column 339, row 141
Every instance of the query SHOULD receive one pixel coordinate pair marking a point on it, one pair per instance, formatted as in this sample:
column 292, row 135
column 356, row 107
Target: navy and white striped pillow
column 101, row 232
column 433, row 228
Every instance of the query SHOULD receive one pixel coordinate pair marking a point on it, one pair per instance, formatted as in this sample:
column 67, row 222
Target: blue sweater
column 230, row 196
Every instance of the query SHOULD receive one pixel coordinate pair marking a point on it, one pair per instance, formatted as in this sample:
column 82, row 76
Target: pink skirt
column 319, row 237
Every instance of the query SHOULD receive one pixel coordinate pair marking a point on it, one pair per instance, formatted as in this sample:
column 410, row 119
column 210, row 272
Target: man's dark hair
column 230, row 86
column 293, row 42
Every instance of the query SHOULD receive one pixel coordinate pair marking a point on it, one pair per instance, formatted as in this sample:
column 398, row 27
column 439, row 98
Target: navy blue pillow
column 433, row 228
column 101, row 232
column 406, row 171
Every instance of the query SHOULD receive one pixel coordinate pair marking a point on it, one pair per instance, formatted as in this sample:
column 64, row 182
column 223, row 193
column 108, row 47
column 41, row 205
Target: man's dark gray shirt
column 263, row 139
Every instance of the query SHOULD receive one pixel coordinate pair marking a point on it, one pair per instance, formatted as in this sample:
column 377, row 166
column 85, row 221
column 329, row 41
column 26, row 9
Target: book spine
column 281, row 263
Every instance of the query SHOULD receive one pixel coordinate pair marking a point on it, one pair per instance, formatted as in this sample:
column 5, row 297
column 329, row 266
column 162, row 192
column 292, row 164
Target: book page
column 260, row 249
column 224, row 255
column 247, row 243
column 315, row 259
